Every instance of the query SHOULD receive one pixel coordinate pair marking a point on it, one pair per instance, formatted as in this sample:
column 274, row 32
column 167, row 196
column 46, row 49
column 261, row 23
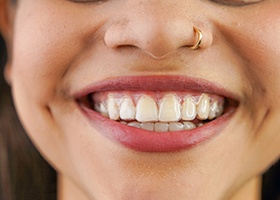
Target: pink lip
column 147, row 141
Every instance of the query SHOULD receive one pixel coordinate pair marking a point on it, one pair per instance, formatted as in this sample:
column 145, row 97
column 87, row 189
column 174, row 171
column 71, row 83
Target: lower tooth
column 161, row 127
column 134, row 124
column 147, row 126
column 176, row 127
column 200, row 124
column 189, row 125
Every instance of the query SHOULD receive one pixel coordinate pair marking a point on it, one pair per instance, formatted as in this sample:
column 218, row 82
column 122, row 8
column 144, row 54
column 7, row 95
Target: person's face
column 64, row 50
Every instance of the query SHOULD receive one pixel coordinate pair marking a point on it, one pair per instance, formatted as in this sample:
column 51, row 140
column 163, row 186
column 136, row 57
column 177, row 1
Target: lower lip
column 148, row 141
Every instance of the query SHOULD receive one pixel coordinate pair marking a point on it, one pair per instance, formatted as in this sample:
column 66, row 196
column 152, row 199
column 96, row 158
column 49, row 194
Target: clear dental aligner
column 159, row 111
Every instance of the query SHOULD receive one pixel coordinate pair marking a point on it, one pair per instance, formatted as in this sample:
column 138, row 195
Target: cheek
column 254, row 36
column 259, row 45
column 45, row 45
column 48, row 40
column 39, row 59
column 257, row 41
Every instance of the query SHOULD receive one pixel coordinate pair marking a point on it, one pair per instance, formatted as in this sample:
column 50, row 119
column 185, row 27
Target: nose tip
column 154, row 35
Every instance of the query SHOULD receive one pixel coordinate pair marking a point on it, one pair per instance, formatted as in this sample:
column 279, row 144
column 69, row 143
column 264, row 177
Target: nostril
column 115, row 37
column 157, row 36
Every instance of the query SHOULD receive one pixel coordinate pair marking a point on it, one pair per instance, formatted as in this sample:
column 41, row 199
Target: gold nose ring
column 199, row 38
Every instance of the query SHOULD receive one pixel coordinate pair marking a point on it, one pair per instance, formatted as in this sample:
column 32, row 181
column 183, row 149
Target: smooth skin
column 57, row 47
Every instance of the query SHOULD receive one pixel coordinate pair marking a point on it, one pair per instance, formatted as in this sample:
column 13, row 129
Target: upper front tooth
column 189, row 109
column 113, row 108
column 169, row 109
column 127, row 109
column 203, row 107
column 146, row 109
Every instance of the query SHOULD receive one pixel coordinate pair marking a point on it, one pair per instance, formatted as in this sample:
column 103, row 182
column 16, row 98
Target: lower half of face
column 120, row 105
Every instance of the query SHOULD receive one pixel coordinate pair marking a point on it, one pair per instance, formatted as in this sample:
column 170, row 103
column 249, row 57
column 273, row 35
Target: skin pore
column 58, row 47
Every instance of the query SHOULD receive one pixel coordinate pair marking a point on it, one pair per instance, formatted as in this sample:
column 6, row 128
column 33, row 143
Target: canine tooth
column 147, row 126
column 146, row 109
column 97, row 107
column 176, row 126
column 101, row 108
column 188, row 109
column 203, row 107
column 214, row 109
column 134, row 124
column 189, row 125
column 127, row 109
column 113, row 108
column 161, row 127
column 169, row 109
column 220, row 110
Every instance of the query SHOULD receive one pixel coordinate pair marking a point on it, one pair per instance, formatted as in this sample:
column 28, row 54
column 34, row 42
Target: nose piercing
column 199, row 38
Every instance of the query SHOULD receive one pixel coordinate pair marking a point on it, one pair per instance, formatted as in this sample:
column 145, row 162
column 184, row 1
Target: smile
column 158, row 111
column 157, row 114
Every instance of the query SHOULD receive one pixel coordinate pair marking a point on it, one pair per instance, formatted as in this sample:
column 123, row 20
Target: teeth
column 161, row 127
column 176, row 126
column 214, row 109
column 135, row 124
column 169, row 109
column 200, row 124
column 147, row 126
column 203, row 107
column 113, row 108
column 123, row 122
column 189, row 109
column 146, row 109
column 189, row 125
column 220, row 110
column 127, row 109
column 101, row 108
column 173, row 113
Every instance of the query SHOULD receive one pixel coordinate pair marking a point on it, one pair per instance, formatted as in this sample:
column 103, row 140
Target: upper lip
column 156, row 83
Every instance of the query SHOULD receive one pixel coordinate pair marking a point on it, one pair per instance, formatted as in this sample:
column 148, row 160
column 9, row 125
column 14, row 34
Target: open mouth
column 150, row 114
column 158, row 111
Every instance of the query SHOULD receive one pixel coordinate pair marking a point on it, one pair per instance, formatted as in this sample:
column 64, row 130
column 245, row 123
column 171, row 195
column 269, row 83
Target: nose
column 157, row 29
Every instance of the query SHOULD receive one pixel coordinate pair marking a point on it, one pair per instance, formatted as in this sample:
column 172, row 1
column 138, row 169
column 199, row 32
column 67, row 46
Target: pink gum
column 157, row 96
